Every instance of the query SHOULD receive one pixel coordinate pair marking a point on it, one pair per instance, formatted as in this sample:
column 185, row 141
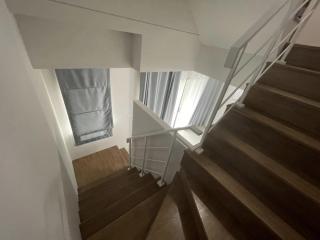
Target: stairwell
column 257, row 178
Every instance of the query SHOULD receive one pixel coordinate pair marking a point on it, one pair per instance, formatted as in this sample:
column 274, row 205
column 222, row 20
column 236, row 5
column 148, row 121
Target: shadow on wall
column 71, row 217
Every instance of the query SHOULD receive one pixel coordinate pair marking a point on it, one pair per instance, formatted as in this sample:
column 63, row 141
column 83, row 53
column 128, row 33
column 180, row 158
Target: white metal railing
column 277, row 45
column 143, row 169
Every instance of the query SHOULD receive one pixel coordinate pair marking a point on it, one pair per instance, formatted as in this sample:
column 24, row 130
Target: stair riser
column 108, row 183
column 250, row 223
column 303, row 83
column 298, row 158
column 294, row 113
column 111, row 213
column 221, row 213
column 135, row 223
column 107, row 188
column 94, row 206
column 300, row 212
column 305, row 56
column 189, row 215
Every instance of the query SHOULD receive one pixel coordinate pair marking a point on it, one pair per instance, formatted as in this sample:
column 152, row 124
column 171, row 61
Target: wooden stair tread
column 191, row 221
column 107, row 182
column 304, row 56
column 96, row 166
column 284, row 129
column 109, row 214
column 226, row 223
column 167, row 224
column 293, row 96
column 285, row 108
column 277, row 169
column 299, row 81
column 274, row 222
column 103, row 199
column 301, row 212
column 284, row 150
column 137, row 220
column 214, row 228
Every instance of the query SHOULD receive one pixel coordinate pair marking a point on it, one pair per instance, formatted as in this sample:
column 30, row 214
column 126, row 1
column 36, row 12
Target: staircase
column 257, row 178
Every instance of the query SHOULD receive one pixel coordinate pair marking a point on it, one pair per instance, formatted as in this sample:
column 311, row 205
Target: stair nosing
column 132, row 209
column 284, row 129
column 152, row 182
column 290, row 95
column 273, row 221
column 87, row 208
column 99, row 182
column 297, row 182
column 297, row 68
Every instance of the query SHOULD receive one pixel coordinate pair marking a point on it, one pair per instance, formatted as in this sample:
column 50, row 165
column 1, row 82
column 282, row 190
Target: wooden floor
column 98, row 165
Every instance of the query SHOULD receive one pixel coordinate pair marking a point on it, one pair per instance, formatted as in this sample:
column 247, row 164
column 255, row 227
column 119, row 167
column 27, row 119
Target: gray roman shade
column 86, row 93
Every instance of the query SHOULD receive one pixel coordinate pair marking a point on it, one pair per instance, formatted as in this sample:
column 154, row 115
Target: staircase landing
column 98, row 165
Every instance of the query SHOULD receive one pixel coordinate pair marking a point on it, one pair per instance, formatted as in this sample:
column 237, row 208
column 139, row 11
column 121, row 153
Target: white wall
column 135, row 16
column 166, row 13
column 310, row 35
column 123, row 91
column 168, row 51
column 159, row 49
column 52, row 44
column 33, row 194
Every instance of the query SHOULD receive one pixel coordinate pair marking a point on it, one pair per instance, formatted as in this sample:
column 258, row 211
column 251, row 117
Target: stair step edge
column 274, row 222
column 292, row 96
column 152, row 186
column 99, row 234
column 139, row 183
column 290, row 132
column 295, row 181
column 99, row 182
column 296, row 69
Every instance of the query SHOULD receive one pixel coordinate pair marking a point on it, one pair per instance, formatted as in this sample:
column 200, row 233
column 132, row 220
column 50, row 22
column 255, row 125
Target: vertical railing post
column 216, row 108
column 161, row 182
column 142, row 172
column 129, row 140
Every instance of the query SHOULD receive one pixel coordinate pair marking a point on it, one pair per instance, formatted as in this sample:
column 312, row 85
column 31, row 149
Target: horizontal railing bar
column 279, row 44
column 292, row 31
column 252, row 31
column 272, row 36
column 276, row 59
column 158, row 148
column 298, row 9
column 160, row 132
column 233, row 92
column 149, row 159
column 146, row 169
column 254, row 55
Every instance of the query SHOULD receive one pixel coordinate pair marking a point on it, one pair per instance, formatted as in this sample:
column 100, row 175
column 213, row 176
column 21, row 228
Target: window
column 179, row 98
column 86, row 94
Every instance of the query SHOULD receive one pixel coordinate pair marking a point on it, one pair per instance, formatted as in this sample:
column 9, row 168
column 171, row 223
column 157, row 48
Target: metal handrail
column 252, row 31
column 144, row 170
column 160, row 132
column 275, row 42
column 234, row 57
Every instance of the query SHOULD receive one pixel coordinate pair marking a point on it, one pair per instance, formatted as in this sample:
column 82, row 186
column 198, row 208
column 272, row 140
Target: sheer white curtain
column 206, row 103
column 158, row 91
column 193, row 85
